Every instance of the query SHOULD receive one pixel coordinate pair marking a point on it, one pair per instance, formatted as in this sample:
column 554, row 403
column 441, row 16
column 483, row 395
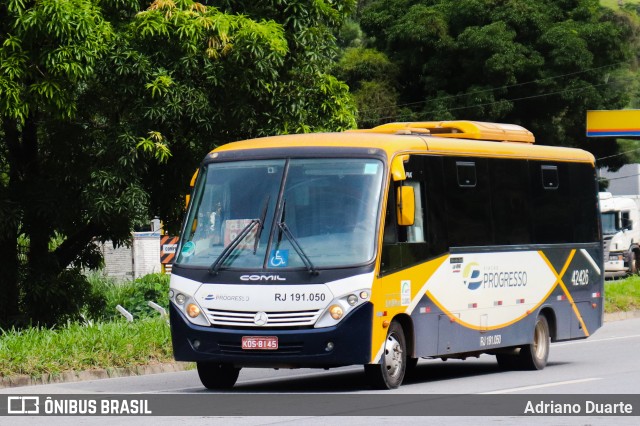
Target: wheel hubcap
column 393, row 356
column 539, row 341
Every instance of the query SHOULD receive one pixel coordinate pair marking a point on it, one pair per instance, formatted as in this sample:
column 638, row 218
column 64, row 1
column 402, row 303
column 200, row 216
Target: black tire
column 412, row 363
column 390, row 373
column 633, row 263
column 217, row 376
column 535, row 355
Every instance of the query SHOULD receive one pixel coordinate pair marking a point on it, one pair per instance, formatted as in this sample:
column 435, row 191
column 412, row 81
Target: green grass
column 77, row 347
column 613, row 4
column 622, row 295
column 132, row 295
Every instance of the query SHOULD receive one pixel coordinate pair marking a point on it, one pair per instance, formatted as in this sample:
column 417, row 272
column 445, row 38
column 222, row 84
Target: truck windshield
column 610, row 223
column 329, row 208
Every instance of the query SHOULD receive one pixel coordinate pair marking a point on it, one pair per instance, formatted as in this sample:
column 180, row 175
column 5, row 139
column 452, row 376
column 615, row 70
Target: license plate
column 259, row 342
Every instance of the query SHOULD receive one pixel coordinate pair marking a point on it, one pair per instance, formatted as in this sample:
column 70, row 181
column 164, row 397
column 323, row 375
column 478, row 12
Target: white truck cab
column 621, row 235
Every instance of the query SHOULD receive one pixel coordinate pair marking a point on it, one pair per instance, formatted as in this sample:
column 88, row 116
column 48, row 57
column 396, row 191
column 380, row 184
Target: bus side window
column 467, row 200
column 391, row 257
column 394, row 233
column 553, row 203
column 390, row 222
column 404, row 246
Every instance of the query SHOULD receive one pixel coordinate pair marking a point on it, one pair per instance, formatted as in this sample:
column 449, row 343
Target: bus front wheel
column 217, row 376
column 389, row 373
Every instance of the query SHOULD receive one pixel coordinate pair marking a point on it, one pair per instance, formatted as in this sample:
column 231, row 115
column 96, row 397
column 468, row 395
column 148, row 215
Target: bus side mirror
column 186, row 201
column 406, row 205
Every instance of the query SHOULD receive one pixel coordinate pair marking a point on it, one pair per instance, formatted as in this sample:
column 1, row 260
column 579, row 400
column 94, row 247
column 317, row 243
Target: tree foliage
column 540, row 64
column 371, row 77
column 107, row 106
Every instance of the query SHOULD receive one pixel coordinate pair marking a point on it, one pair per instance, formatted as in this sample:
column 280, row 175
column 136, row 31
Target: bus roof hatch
column 498, row 132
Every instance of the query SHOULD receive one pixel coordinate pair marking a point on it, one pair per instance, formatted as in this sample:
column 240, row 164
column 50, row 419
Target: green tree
column 540, row 64
column 108, row 105
column 371, row 77
column 307, row 97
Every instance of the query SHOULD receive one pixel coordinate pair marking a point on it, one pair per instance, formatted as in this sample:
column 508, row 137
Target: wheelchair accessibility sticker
column 279, row 258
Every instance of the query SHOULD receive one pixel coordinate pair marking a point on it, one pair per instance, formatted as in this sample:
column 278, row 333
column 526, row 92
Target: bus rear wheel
column 535, row 355
column 532, row 356
column 217, row 376
column 389, row 373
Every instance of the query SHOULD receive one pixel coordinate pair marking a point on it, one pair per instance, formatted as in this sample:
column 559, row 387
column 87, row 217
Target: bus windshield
column 325, row 214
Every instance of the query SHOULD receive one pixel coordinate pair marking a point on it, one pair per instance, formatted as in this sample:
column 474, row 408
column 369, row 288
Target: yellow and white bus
column 382, row 246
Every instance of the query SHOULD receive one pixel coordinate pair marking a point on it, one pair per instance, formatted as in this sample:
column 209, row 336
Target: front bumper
column 618, row 267
column 296, row 348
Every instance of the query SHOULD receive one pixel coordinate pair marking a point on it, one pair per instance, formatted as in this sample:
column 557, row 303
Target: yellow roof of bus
column 394, row 144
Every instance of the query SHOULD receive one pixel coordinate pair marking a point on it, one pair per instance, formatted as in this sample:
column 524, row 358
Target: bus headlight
column 336, row 312
column 193, row 310
column 340, row 307
column 189, row 307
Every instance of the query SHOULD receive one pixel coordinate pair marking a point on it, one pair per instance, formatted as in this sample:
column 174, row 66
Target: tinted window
column 404, row 246
column 510, row 201
column 468, row 207
column 584, row 203
column 552, row 203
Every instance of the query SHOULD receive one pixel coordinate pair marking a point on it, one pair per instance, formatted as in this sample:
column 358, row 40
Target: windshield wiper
column 261, row 224
column 294, row 243
column 215, row 266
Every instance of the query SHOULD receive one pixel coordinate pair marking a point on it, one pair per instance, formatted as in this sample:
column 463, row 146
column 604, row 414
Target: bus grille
column 275, row 319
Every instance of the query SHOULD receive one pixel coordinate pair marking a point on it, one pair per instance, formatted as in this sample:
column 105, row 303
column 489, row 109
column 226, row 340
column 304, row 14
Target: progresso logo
column 471, row 276
column 492, row 277
column 226, row 298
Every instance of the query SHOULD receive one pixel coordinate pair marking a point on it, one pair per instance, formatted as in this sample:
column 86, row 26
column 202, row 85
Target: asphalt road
column 606, row 363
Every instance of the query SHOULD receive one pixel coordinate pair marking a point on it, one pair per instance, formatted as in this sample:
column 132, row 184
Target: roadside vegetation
column 622, row 295
column 616, row 4
column 78, row 347
column 104, row 339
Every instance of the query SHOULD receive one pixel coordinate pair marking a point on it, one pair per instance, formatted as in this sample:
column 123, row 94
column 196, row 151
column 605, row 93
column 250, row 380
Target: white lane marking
column 546, row 385
column 591, row 261
column 606, row 339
